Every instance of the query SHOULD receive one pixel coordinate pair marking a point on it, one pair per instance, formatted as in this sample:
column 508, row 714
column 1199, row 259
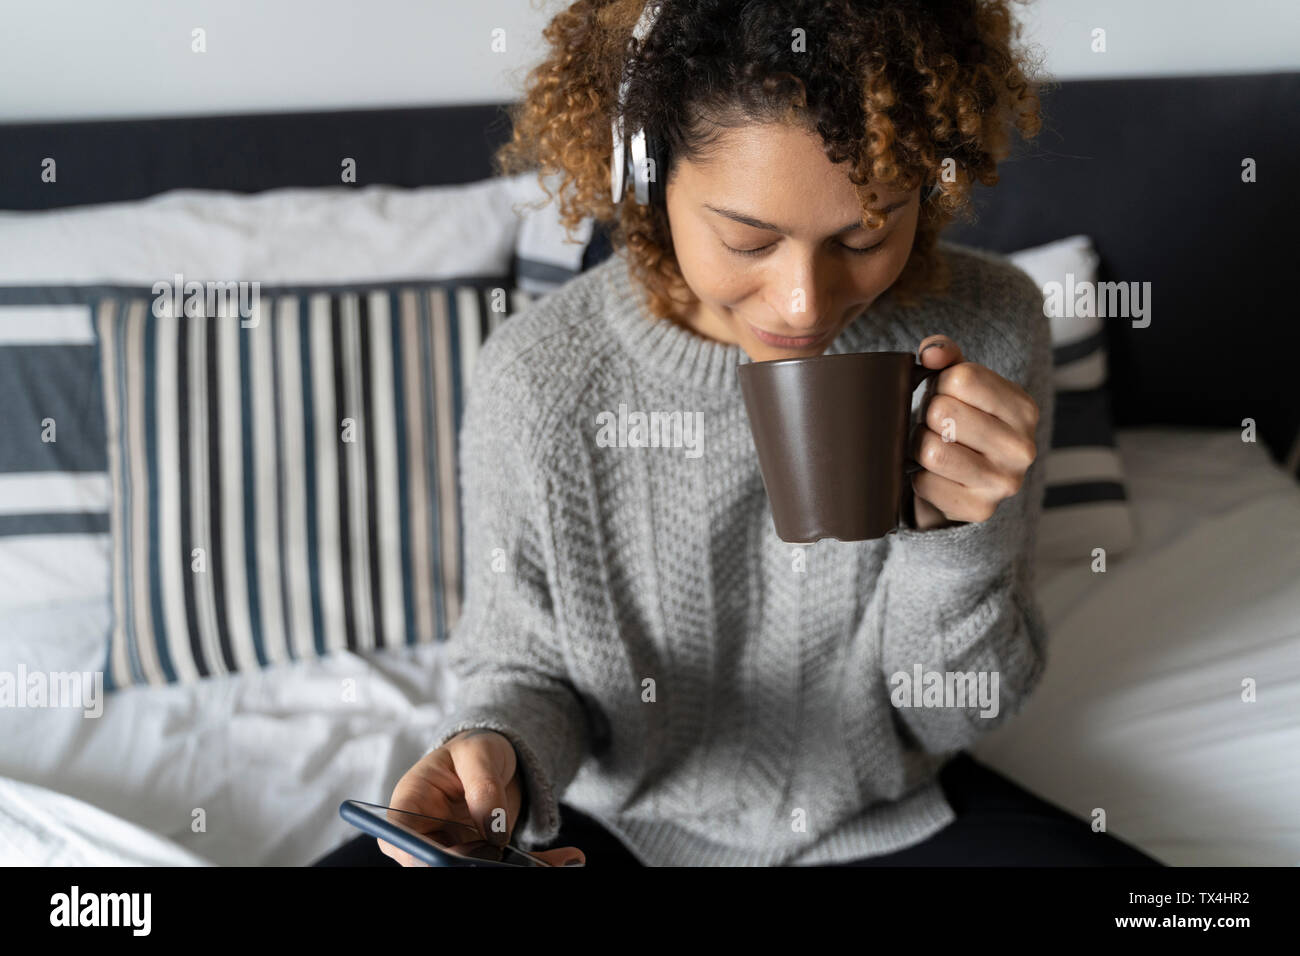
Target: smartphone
column 433, row 840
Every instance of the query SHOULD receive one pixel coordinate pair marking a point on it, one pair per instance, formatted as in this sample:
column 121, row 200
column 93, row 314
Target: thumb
column 938, row 351
column 562, row 856
column 484, row 784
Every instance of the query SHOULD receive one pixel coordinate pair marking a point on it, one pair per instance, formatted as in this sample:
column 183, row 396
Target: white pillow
column 545, row 257
column 1086, row 504
column 281, row 236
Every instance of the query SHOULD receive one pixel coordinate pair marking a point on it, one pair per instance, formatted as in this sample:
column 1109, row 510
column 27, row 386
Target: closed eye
column 864, row 251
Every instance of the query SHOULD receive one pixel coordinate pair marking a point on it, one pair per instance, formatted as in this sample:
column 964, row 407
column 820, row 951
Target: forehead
column 774, row 170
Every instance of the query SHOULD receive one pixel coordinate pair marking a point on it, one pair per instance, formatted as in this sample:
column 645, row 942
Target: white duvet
column 1140, row 712
column 247, row 769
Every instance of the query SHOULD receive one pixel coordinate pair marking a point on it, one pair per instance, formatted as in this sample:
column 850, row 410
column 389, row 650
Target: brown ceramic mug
column 831, row 432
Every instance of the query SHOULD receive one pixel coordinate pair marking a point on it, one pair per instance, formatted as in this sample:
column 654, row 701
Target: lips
column 785, row 341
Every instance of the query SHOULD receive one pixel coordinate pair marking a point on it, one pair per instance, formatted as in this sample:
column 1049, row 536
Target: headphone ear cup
column 617, row 168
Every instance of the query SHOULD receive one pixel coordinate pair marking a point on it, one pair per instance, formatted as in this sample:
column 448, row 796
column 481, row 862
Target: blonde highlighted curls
column 906, row 93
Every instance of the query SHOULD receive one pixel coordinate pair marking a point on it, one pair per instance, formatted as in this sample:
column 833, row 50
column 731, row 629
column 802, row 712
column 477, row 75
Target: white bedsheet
column 40, row 827
column 1139, row 712
column 267, row 757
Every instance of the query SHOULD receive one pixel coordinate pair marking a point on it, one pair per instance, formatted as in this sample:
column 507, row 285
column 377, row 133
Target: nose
column 803, row 299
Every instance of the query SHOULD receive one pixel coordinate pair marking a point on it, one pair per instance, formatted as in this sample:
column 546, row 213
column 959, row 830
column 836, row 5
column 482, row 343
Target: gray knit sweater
column 659, row 657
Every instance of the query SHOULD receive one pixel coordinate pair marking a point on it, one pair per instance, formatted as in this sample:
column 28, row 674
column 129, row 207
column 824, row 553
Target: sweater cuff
column 963, row 548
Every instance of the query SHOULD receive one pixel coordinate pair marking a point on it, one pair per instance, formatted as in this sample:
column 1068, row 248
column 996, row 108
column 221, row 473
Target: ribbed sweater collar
column 675, row 354
column 665, row 349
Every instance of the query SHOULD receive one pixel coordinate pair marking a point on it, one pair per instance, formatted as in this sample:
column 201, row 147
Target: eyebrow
column 740, row 217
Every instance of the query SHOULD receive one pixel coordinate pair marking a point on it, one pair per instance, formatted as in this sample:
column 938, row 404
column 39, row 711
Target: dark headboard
column 1150, row 168
column 130, row 159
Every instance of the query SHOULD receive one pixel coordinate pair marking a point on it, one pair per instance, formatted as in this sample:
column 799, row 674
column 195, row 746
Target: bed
column 1140, row 711
column 1172, row 695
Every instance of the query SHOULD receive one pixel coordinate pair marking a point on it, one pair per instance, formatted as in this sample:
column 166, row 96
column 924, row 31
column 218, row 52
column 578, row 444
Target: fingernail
column 932, row 345
column 574, row 862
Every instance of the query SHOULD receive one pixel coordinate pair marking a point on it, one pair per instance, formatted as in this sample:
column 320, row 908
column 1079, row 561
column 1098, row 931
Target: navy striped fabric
column 53, row 470
column 1083, row 425
column 287, row 489
column 1085, row 503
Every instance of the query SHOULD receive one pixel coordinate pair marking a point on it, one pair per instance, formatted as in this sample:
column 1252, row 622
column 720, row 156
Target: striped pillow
column 544, row 256
column 1086, row 503
column 53, row 469
column 288, row 489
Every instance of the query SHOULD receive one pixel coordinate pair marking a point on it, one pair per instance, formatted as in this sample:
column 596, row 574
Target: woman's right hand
column 469, row 779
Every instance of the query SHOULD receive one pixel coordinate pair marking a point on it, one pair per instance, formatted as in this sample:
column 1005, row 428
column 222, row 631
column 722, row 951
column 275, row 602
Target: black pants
column 998, row 824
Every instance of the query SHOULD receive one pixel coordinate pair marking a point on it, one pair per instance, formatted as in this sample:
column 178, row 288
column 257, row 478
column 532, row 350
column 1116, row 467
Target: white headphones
column 638, row 151
column 637, row 146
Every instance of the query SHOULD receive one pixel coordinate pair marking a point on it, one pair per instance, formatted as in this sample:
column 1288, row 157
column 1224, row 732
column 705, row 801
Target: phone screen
column 449, row 836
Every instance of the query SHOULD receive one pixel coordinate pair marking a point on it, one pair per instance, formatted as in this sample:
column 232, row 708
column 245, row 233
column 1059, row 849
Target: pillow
column 281, row 236
column 287, row 489
column 57, row 266
column 1086, row 503
column 54, row 492
column 544, row 257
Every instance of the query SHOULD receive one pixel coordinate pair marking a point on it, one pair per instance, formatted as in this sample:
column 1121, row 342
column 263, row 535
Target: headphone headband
column 640, row 152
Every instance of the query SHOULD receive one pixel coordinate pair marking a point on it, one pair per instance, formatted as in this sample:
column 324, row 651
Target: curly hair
column 906, row 92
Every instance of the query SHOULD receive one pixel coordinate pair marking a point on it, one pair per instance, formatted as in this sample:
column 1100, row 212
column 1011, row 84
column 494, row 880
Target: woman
column 635, row 638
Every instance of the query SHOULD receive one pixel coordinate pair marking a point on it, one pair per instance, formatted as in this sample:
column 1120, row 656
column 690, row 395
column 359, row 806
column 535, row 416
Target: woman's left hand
column 976, row 443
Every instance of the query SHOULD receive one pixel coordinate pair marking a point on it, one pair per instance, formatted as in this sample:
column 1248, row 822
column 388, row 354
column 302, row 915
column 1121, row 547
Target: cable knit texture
column 658, row 656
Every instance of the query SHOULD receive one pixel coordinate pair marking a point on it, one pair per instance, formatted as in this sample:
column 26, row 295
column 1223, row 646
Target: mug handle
column 919, row 374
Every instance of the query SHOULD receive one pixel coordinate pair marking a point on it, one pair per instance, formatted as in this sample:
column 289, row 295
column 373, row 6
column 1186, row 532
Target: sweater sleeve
column 962, row 599
column 505, row 648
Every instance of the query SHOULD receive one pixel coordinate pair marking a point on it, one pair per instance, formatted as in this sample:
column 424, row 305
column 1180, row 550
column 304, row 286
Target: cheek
column 901, row 251
column 885, row 269
column 710, row 270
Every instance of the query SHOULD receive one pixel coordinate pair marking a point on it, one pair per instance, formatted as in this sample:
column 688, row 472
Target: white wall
column 75, row 59
column 1165, row 37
